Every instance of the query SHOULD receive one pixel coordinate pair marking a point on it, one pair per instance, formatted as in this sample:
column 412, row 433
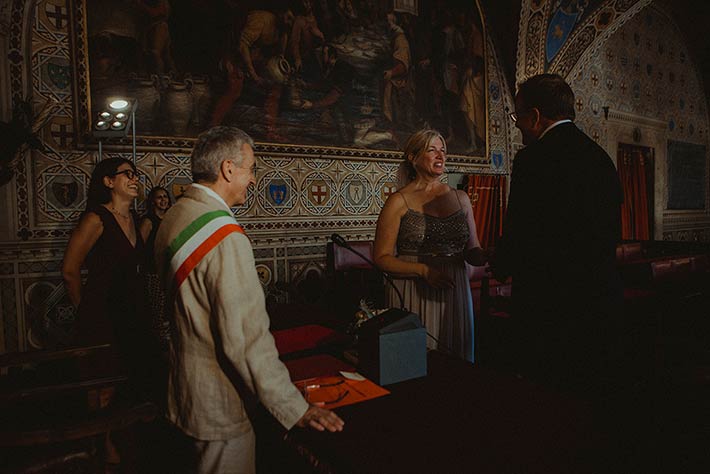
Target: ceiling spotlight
column 118, row 125
column 105, row 116
column 118, row 104
column 102, row 125
column 121, row 116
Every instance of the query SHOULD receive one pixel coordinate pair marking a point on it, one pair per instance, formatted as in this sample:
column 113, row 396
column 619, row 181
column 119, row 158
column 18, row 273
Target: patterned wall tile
column 7, row 269
column 8, row 300
column 652, row 89
column 49, row 315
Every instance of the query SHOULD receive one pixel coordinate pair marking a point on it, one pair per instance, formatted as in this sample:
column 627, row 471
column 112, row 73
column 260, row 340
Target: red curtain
column 488, row 198
column 633, row 165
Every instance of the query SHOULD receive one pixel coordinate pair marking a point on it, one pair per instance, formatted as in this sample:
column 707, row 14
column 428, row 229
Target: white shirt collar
column 559, row 122
column 212, row 193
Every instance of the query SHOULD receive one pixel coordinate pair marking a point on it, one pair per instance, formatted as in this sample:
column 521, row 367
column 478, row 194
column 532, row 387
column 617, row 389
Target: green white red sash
column 193, row 243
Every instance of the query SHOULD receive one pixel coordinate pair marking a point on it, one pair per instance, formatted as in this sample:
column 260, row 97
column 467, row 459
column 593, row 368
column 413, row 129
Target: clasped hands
column 436, row 278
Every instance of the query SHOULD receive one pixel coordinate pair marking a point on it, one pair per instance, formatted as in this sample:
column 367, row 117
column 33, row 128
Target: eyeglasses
column 314, row 394
column 130, row 174
column 253, row 168
column 514, row 116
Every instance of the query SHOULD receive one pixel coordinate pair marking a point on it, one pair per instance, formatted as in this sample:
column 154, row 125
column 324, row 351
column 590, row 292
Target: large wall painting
column 352, row 74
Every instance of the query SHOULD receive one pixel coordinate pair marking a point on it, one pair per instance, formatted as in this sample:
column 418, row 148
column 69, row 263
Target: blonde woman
column 425, row 234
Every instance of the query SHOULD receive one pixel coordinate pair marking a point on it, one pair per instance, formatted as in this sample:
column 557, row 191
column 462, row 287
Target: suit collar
column 202, row 193
column 559, row 122
column 560, row 128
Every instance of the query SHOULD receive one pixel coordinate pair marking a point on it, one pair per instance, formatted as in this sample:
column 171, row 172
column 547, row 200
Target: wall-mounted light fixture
column 116, row 120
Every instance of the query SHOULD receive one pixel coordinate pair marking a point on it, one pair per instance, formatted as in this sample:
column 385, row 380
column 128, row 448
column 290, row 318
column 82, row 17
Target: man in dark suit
column 559, row 242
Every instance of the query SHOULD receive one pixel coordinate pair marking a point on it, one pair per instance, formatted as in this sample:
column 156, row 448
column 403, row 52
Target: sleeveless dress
column 111, row 308
column 447, row 314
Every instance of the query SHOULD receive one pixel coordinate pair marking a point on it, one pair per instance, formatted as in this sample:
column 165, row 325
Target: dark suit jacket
column 560, row 235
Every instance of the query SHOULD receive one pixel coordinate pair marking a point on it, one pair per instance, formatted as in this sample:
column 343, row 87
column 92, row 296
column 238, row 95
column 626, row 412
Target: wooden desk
column 459, row 418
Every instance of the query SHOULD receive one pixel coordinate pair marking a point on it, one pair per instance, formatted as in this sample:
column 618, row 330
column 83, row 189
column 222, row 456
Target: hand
column 437, row 279
column 321, row 419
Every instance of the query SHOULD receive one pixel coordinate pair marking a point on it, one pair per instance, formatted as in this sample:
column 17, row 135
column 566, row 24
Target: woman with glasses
column 108, row 243
column 107, row 240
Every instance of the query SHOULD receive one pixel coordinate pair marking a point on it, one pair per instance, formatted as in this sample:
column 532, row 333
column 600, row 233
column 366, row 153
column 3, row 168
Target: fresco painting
column 345, row 73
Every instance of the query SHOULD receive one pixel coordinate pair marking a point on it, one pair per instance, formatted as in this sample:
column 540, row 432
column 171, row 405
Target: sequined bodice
column 422, row 234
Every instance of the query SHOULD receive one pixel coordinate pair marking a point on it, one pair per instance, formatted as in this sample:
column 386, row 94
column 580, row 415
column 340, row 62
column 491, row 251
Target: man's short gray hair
column 214, row 146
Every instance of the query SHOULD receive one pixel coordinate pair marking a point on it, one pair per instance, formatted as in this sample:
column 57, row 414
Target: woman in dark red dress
column 110, row 305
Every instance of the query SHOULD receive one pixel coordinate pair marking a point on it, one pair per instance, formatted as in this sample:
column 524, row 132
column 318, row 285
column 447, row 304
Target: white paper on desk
column 352, row 376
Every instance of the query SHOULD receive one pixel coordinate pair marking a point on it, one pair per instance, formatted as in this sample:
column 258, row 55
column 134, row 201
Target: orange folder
column 337, row 391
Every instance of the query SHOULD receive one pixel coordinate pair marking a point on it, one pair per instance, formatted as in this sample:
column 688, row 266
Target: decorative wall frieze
column 673, row 219
column 629, row 118
column 24, row 251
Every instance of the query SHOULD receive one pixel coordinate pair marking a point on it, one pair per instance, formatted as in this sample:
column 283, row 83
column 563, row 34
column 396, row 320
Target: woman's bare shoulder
column 90, row 221
column 461, row 195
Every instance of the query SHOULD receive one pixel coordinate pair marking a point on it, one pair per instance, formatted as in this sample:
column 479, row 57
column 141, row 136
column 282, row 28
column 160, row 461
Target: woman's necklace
column 115, row 211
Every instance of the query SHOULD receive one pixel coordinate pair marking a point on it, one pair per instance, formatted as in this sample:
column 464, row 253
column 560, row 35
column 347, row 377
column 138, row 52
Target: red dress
column 112, row 308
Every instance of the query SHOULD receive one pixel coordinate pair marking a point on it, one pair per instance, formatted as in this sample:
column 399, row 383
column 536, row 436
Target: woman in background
column 158, row 203
column 425, row 234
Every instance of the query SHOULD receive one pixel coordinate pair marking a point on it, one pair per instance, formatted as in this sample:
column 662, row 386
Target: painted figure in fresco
column 473, row 103
column 453, row 44
column 113, row 30
column 262, row 45
column 156, row 42
column 398, row 95
column 303, row 40
column 338, row 83
column 427, row 92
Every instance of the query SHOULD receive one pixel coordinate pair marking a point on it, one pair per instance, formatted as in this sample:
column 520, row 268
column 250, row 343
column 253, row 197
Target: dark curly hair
column 98, row 192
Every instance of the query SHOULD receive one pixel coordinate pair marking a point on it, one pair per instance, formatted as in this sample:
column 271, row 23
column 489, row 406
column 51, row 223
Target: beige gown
column 447, row 314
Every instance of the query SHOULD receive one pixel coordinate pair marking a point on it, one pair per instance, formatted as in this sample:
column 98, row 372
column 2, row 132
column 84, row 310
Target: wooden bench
column 46, row 421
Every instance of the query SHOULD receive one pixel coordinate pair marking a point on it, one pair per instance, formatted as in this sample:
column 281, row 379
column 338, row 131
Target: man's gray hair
column 214, row 146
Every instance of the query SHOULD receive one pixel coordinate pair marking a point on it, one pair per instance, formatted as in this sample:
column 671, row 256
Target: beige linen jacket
column 220, row 307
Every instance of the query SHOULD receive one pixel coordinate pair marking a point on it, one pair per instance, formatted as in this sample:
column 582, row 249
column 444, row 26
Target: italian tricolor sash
column 193, row 243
